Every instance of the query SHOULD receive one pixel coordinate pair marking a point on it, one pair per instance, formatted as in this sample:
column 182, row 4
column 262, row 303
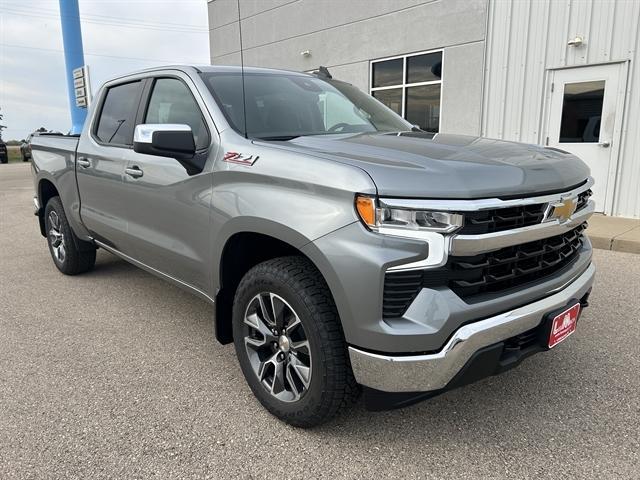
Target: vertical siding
column 627, row 202
column 527, row 37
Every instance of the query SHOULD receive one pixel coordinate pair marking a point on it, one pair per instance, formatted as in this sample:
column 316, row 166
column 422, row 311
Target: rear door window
column 118, row 114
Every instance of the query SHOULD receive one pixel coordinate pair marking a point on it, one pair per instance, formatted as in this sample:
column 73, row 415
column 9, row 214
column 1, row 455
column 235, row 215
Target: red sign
column 564, row 325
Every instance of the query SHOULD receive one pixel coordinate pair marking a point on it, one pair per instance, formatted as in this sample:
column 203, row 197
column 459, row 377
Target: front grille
column 513, row 266
column 500, row 219
column 583, row 198
column 494, row 272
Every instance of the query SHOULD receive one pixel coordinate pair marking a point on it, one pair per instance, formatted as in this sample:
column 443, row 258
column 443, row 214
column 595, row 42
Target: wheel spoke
column 294, row 386
column 293, row 324
column 277, row 385
column 302, row 371
column 301, row 346
column 255, row 343
column 263, row 368
column 256, row 322
column 278, row 308
column 267, row 313
column 54, row 220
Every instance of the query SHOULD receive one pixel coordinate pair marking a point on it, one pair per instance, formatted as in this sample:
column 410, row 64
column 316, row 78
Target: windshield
column 282, row 106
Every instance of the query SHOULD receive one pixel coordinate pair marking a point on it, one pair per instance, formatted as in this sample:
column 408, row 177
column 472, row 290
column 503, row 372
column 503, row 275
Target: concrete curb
column 615, row 233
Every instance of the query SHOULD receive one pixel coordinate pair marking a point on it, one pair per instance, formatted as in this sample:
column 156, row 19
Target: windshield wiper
column 282, row 138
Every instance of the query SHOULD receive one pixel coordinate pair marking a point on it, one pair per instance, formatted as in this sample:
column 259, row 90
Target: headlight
column 380, row 219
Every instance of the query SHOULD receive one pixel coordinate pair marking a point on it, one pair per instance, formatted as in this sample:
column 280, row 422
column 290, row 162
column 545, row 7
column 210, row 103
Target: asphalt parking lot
column 116, row 374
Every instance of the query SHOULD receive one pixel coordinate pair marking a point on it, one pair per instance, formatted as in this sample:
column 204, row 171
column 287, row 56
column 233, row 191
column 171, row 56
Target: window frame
column 404, row 85
column 103, row 98
column 146, row 101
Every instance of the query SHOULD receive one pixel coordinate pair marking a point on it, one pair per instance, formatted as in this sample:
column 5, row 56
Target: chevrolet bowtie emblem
column 563, row 210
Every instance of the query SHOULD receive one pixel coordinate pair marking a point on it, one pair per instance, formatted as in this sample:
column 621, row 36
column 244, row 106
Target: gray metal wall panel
column 525, row 38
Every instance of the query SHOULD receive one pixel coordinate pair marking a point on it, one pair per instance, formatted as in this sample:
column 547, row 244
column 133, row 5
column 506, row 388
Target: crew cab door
column 103, row 152
column 168, row 201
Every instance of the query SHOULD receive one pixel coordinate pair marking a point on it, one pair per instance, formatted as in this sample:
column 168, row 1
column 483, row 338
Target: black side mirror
column 165, row 140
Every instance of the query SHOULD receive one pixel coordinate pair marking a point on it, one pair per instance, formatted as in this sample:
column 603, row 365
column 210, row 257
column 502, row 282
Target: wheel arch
column 46, row 191
column 241, row 251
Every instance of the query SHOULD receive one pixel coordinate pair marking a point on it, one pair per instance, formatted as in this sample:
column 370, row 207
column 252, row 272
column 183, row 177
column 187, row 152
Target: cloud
column 118, row 37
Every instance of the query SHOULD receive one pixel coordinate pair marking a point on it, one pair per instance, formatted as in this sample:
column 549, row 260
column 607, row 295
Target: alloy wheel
column 277, row 346
column 56, row 237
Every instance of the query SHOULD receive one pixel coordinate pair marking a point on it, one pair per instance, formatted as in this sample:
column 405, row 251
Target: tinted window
column 581, row 112
column 424, row 68
column 387, row 73
column 172, row 102
column 392, row 98
column 421, row 102
column 423, row 106
column 118, row 114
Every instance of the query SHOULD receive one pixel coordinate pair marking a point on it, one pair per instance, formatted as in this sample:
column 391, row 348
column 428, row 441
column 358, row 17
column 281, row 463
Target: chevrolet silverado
column 343, row 249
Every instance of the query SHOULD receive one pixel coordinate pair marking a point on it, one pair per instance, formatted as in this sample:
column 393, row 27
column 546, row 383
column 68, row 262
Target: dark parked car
column 25, row 148
column 4, row 156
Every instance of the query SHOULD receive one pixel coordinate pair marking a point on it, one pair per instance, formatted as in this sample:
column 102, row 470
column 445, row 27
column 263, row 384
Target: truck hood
column 414, row 164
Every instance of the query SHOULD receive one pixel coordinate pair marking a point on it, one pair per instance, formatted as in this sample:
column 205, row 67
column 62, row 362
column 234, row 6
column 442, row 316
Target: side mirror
column 164, row 140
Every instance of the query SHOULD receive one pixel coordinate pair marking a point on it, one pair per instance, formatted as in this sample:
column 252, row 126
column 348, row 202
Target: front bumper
column 435, row 371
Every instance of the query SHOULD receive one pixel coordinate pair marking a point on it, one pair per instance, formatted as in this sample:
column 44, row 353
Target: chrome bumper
column 421, row 373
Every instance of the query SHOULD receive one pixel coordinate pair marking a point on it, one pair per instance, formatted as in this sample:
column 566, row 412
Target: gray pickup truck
column 343, row 249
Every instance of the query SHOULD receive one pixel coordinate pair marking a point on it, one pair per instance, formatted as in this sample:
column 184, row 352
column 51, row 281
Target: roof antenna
column 244, row 100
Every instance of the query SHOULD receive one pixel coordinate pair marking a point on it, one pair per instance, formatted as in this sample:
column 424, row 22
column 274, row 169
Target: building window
column 410, row 85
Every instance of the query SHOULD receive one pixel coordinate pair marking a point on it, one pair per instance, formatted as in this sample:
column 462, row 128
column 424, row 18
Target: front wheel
column 70, row 254
column 290, row 344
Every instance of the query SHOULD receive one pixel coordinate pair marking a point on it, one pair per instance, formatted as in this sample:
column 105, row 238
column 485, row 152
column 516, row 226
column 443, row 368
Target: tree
column 2, row 127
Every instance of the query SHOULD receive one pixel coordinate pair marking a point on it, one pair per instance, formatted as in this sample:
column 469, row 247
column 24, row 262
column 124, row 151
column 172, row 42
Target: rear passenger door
column 168, row 201
column 103, row 153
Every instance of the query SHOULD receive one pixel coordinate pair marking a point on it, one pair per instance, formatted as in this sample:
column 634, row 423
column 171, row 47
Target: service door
column 585, row 116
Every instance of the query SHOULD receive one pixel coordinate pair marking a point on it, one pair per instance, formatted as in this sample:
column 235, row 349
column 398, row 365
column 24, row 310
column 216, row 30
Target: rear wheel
column 290, row 344
column 70, row 254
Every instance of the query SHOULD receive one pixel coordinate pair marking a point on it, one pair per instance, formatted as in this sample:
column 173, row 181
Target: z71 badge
column 240, row 159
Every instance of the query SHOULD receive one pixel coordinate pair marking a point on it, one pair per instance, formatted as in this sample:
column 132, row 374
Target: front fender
column 249, row 224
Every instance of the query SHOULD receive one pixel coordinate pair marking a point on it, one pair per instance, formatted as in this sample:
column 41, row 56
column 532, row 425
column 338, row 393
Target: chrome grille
column 501, row 219
column 513, row 266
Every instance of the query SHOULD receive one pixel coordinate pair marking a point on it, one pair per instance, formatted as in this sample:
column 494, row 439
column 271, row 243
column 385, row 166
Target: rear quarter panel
column 54, row 160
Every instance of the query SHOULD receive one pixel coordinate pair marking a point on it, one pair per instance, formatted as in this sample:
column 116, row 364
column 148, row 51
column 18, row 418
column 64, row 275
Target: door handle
column 134, row 172
column 84, row 162
column 604, row 144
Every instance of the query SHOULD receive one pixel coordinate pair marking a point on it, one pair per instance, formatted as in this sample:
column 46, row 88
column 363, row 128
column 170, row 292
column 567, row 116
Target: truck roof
column 210, row 68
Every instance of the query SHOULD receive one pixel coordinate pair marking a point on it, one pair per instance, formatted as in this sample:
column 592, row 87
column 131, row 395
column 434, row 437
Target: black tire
column 332, row 385
column 76, row 255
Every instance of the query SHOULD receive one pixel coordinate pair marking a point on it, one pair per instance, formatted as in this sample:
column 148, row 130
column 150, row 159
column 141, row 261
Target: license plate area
column 563, row 325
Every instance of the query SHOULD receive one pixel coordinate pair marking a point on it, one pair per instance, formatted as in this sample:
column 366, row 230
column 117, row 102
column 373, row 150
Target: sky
column 119, row 36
